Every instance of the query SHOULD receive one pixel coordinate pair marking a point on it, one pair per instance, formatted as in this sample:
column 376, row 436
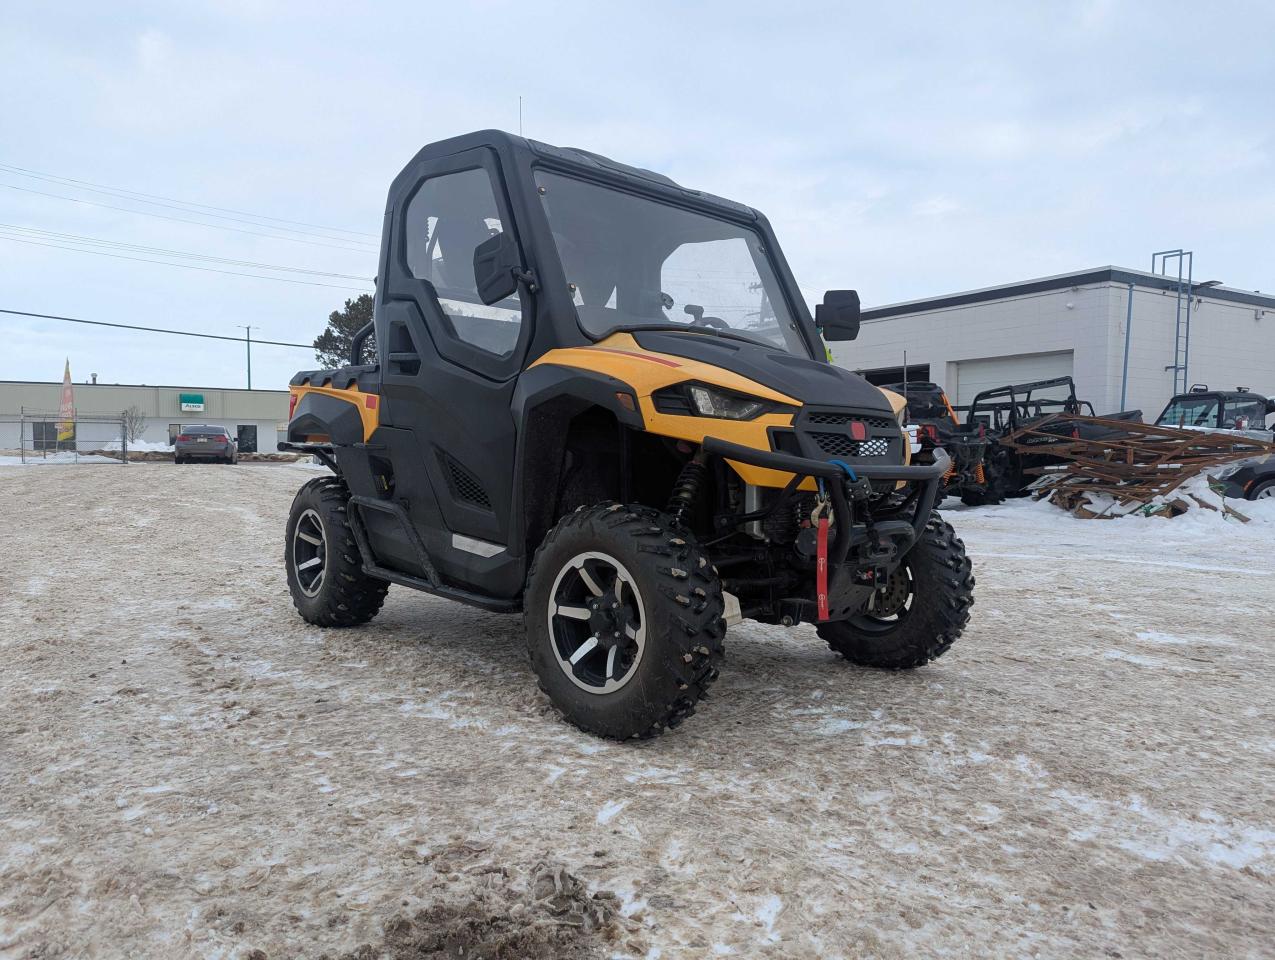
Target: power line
column 139, row 248
column 183, row 266
column 180, row 333
column 198, row 223
column 154, row 199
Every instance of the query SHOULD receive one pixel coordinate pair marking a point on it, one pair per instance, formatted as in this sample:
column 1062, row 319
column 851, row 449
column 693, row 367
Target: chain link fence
column 47, row 437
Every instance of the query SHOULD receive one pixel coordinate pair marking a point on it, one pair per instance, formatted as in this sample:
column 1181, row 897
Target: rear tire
column 939, row 581
column 624, row 621
column 325, row 568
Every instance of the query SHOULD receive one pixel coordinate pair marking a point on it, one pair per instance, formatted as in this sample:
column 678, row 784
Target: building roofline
column 135, row 386
column 1107, row 274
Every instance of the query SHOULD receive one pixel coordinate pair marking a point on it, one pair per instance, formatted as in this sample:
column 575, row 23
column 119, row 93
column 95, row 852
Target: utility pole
column 248, row 342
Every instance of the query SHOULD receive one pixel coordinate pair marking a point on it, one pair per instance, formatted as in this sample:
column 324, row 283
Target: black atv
column 601, row 402
column 1003, row 471
column 938, row 426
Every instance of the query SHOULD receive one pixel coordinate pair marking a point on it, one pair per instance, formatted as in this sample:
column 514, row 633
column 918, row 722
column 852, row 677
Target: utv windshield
column 1190, row 411
column 632, row 262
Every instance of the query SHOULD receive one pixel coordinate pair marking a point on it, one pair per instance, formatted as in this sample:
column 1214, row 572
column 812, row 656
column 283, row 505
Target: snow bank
column 1205, row 510
column 139, row 446
column 35, row 459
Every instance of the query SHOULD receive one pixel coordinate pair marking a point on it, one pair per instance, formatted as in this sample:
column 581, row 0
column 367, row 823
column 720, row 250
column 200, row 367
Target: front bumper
column 878, row 546
column 928, row 475
column 204, row 453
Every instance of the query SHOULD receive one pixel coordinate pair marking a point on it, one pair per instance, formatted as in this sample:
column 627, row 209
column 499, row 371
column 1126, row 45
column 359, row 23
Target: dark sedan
column 1249, row 479
column 205, row 442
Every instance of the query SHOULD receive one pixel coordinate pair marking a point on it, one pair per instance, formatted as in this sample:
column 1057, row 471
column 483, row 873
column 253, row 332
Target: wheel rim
column 1266, row 493
column 310, row 553
column 597, row 622
column 890, row 604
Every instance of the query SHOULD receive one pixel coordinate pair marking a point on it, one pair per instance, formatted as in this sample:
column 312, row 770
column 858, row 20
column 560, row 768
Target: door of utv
column 449, row 364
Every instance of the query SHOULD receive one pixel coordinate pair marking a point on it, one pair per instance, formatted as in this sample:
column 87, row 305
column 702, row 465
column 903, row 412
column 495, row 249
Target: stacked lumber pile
column 1113, row 467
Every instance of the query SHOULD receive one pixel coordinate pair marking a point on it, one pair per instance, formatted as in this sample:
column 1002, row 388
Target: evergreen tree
column 332, row 346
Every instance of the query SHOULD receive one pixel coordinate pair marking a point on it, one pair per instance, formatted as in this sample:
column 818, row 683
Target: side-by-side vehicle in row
column 600, row 400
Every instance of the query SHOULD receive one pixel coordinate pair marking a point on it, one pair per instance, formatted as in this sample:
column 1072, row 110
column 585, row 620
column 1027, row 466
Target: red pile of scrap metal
column 1109, row 467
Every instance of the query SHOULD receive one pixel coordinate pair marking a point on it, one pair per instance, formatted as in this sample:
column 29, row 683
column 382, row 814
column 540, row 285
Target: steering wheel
column 699, row 320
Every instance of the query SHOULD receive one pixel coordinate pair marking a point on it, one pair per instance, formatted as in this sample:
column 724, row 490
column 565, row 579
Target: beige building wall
column 267, row 410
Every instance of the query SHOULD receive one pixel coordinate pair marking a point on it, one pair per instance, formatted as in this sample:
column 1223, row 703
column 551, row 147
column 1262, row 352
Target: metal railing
column 49, row 437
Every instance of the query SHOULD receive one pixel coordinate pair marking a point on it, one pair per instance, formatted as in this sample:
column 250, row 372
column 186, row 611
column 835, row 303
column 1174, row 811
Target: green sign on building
column 191, row 402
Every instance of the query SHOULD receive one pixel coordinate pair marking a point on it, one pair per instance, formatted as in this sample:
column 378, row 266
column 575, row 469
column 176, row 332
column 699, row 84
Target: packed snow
column 61, row 458
column 1205, row 507
column 189, row 770
column 140, row 446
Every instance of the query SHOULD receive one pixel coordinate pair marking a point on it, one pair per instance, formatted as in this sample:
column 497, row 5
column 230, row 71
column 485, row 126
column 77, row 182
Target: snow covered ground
column 60, row 458
column 189, row 770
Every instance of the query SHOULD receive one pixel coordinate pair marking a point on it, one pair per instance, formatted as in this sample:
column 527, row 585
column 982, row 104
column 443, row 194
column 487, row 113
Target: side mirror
column 838, row 316
column 496, row 268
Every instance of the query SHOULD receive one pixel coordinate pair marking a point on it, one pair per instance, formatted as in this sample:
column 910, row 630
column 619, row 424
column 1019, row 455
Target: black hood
column 810, row 381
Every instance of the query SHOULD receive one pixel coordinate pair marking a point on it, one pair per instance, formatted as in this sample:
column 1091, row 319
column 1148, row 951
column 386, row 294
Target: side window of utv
column 446, row 219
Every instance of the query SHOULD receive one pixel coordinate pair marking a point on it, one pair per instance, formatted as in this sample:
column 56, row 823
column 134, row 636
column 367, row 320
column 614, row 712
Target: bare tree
column 134, row 422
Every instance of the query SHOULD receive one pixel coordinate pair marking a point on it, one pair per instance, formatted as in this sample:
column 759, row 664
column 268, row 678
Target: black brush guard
column 902, row 534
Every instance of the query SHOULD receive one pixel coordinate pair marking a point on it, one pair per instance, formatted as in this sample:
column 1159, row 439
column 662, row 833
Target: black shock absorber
column 686, row 489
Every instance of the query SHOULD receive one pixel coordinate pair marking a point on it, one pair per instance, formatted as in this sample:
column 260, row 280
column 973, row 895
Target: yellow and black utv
column 599, row 399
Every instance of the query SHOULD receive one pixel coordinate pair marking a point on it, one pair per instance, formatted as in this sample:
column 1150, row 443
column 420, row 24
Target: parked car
column 205, row 442
column 1248, row 479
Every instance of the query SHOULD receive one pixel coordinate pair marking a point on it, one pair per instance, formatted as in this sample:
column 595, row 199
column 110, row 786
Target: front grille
column 827, row 419
column 855, row 436
column 840, row 445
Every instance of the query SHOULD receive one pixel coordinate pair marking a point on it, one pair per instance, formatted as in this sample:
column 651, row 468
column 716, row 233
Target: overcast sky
column 904, row 150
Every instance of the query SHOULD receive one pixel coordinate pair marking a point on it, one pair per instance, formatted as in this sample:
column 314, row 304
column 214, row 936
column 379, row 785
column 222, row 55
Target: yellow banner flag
column 66, row 423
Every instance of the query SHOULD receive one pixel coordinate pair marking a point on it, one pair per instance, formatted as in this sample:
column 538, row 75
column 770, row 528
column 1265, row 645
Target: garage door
column 975, row 376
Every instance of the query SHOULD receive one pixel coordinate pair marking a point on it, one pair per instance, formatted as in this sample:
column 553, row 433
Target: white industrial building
column 1076, row 324
column 255, row 417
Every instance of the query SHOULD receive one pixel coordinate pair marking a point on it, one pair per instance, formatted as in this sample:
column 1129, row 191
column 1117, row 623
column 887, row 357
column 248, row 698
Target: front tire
column 1263, row 491
column 918, row 613
column 325, row 568
column 624, row 621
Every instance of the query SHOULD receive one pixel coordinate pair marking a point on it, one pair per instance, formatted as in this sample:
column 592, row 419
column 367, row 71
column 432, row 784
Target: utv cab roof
column 526, row 152
column 917, row 387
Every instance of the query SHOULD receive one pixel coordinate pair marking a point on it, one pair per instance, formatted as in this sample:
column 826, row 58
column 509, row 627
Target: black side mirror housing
column 496, row 268
column 838, row 316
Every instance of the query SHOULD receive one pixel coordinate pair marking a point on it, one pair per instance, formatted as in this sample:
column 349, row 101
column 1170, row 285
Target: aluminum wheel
column 310, row 553
column 597, row 623
column 1266, row 493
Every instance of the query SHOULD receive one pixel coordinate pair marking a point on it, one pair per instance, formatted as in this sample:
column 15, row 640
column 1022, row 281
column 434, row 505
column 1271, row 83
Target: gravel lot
column 189, row 770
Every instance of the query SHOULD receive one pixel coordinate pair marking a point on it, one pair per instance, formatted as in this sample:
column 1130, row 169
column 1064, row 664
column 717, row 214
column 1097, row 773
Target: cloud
column 904, row 149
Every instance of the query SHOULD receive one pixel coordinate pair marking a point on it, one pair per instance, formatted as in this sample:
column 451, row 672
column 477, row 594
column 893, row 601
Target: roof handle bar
column 356, row 344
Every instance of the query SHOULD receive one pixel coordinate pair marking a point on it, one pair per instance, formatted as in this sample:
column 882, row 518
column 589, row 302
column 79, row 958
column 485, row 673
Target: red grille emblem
column 858, row 430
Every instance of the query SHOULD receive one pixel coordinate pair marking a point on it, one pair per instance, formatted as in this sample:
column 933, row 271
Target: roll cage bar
column 1019, row 404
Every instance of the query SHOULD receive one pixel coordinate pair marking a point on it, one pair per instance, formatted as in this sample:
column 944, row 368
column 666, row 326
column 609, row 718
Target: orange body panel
column 645, row 372
column 369, row 404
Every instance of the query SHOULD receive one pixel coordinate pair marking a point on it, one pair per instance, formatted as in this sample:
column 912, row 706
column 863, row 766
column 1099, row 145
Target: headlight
column 712, row 403
column 702, row 400
column 1230, row 470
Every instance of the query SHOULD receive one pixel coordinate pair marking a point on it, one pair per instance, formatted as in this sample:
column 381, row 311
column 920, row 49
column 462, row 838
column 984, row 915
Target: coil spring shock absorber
column 686, row 489
column 979, row 474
